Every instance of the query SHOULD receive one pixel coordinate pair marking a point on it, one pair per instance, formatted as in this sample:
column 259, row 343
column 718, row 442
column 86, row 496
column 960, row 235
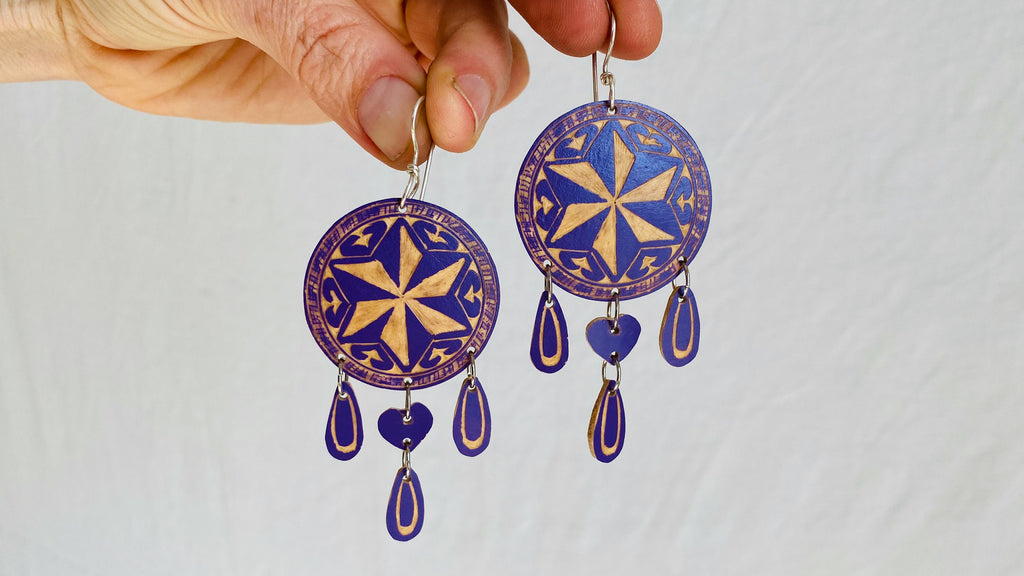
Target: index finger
column 581, row 27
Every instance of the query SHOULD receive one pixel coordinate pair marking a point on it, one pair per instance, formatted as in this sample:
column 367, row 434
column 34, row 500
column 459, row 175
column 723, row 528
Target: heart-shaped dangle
column 613, row 340
column 405, row 428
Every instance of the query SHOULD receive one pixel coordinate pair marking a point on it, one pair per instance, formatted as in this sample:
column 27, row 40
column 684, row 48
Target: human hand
column 360, row 63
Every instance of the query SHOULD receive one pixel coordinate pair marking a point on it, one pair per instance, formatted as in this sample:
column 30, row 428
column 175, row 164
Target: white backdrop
column 856, row 407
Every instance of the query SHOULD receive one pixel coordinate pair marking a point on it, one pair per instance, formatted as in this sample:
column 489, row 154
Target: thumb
column 352, row 66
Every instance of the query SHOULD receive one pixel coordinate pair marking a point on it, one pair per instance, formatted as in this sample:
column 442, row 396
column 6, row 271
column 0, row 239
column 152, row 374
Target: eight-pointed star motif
column 404, row 298
column 585, row 175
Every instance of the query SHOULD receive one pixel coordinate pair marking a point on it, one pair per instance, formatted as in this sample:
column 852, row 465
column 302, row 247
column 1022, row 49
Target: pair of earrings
column 612, row 203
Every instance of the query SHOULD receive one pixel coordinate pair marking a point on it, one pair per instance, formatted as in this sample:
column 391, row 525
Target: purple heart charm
column 605, row 341
column 393, row 427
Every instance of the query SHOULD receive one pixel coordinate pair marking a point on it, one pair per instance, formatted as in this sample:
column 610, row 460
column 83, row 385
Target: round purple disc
column 401, row 294
column 613, row 200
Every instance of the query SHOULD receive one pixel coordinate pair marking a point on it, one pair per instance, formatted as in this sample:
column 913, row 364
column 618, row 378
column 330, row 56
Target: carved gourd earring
column 402, row 294
column 612, row 203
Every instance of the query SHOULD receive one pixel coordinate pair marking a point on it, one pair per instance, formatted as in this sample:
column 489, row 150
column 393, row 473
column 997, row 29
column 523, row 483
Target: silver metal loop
column 417, row 178
column 342, row 377
column 618, row 375
column 609, row 81
column 471, row 368
column 425, row 173
column 407, row 460
column 606, row 78
column 612, row 310
column 408, row 400
column 547, row 284
column 684, row 269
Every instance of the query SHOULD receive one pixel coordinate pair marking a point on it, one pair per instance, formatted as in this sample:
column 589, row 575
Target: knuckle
column 326, row 39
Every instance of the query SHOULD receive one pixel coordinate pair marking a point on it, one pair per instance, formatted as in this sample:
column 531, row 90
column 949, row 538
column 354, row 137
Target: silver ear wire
column 606, row 78
column 417, row 178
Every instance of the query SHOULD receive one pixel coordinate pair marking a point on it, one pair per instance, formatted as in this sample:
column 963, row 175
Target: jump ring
column 612, row 310
column 342, row 377
column 685, row 270
column 547, row 283
column 408, row 400
column 618, row 375
column 471, row 367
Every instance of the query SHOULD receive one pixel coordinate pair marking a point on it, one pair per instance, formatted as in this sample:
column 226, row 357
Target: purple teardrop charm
column 549, row 349
column 471, row 427
column 607, row 430
column 405, row 506
column 344, row 435
column 680, row 329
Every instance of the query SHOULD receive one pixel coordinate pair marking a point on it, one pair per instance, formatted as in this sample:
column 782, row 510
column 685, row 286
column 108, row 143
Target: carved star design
column 402, row 298
column 610, row 205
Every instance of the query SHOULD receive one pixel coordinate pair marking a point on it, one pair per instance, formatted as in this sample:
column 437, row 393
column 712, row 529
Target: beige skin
column 360, row 63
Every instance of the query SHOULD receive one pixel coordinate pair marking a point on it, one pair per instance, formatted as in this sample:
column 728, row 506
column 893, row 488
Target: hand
column 360, row 63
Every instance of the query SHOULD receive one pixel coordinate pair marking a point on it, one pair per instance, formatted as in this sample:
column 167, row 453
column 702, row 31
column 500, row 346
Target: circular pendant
column 613, row 200
column 401, row 294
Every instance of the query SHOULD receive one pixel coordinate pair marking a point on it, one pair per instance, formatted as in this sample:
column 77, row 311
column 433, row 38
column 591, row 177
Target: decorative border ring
column 363, row 368
column 568, row 132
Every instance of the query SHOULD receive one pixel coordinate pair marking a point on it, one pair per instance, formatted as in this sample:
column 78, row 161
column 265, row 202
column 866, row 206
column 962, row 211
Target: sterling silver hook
column 606, row 78
column 417, row 178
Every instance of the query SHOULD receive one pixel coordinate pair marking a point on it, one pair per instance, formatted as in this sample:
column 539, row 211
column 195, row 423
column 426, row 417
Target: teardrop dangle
column 680, row 327
column 344, row 434
column 607, row 431
column 405, row 505
column 549, row 348
column 471, row 425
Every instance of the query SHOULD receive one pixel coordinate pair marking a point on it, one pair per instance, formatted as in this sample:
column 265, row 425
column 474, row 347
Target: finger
column 581, row 27
column 352, row 66
column 471, row 69
column 520, row 72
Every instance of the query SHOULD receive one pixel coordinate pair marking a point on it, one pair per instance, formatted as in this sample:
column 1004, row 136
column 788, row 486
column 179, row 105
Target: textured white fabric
column 856, row 407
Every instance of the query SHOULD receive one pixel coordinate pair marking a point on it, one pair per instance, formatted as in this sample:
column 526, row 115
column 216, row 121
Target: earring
column 402, row 294
column 612, row 203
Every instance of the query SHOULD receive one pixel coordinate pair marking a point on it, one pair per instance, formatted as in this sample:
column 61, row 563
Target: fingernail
column 477, row 93
column 385, row 113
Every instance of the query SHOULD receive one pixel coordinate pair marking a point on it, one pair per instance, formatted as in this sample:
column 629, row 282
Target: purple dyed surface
column 604, row 341
column 680, row 330
column 549, row 347
column 404, row 517
column 344, row 434
column 393, row 427
column 471, row 426
column 607, row 432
